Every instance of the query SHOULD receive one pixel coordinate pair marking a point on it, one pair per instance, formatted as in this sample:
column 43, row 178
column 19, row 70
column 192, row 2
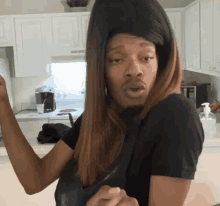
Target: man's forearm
column 26, row 163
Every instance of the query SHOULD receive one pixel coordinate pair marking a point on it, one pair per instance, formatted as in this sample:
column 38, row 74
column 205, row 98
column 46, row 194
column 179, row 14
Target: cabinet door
column 216, row 34
column 5, row 31
column 66, row 34
column 31, row 128
column 192, row 37
column 175, row 20
column 206, row 34
column 13, row 193
column 31, row 45
column 84, row 28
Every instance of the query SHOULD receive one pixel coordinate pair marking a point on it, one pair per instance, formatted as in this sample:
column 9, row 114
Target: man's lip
column 134, row 85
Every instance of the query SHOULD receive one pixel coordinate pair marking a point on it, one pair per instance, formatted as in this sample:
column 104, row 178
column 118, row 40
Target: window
column 69, row 77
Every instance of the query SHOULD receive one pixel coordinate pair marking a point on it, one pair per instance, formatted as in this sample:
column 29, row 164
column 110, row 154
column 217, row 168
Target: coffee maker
column 49, row 98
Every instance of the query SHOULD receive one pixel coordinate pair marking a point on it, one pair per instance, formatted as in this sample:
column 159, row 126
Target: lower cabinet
column 31, row 128
column 13, row 193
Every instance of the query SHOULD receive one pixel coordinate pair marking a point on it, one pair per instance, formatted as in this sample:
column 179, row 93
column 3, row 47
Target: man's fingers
column 119, row 197
column 105, row 193
column 114, row 201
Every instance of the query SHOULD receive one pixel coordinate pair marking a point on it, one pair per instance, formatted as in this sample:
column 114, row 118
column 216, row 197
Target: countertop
column 43, row 149
column 28, row 114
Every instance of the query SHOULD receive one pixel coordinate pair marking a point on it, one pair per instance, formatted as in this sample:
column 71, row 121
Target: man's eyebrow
column 142, row 44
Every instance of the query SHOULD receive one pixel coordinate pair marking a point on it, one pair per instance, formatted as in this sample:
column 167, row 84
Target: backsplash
column 24, row 89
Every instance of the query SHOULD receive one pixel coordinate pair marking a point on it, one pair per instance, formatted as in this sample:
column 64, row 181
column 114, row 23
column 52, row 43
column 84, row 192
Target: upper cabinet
column 210, row 32
column 84, row 27
column 5, row 31
column 206, row 19
column 192, row 37
column 69, row 33
column 31, row 45
column 202, row 42
column 216, row 35
column 176, row 19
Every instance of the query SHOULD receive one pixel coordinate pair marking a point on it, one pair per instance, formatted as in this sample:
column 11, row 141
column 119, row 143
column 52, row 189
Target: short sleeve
column 180, row 142
column 72, row 135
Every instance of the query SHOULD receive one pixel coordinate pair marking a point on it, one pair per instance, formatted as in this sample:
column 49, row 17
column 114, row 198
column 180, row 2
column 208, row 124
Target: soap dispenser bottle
column 208, row 120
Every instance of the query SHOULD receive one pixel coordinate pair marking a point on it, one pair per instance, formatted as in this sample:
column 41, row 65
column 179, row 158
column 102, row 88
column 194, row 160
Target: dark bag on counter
column 52, row 133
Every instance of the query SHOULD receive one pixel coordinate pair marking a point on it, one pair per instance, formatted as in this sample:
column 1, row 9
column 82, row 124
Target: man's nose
column 134, row 69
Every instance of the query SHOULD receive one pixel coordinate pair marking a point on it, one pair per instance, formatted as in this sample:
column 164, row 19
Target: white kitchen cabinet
column 84, row 27
column 32, row 42
column 31, row 128
column 68, row 33
column 192, row 36
column 210, row 31
column 216, row 35
column 5, row 31
column 207, row 41
column 175, row 18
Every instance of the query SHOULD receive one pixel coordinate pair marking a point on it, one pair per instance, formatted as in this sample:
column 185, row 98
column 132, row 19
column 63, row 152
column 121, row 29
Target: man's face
column 129, row 61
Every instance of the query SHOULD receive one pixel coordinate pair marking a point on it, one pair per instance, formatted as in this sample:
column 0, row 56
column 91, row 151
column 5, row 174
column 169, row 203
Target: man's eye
column 147, row 58
column 116, row 60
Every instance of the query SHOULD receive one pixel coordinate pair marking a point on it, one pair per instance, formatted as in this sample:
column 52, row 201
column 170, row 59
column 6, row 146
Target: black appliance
column 197, row 94
column 50, row 104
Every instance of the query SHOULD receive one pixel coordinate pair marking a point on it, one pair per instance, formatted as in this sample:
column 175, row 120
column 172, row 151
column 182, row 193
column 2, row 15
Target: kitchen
column 55, row 34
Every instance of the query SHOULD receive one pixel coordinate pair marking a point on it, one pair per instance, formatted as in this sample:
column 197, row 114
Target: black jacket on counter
column 52, row 133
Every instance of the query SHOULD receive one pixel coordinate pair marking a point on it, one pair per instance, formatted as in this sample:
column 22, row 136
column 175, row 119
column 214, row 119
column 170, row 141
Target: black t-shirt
column 171, row 142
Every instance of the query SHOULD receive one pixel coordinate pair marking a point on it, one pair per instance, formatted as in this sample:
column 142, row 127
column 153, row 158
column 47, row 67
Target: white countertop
column 209, row 144
column 50, row 115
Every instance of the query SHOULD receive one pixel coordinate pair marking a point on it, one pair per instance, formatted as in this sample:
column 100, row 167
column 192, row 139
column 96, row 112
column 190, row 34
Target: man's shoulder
column 174, row 105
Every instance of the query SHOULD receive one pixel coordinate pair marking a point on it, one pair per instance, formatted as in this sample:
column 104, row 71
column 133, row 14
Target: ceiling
column 163, row 3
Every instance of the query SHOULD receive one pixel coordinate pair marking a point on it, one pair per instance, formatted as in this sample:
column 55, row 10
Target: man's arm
column 168, row 191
